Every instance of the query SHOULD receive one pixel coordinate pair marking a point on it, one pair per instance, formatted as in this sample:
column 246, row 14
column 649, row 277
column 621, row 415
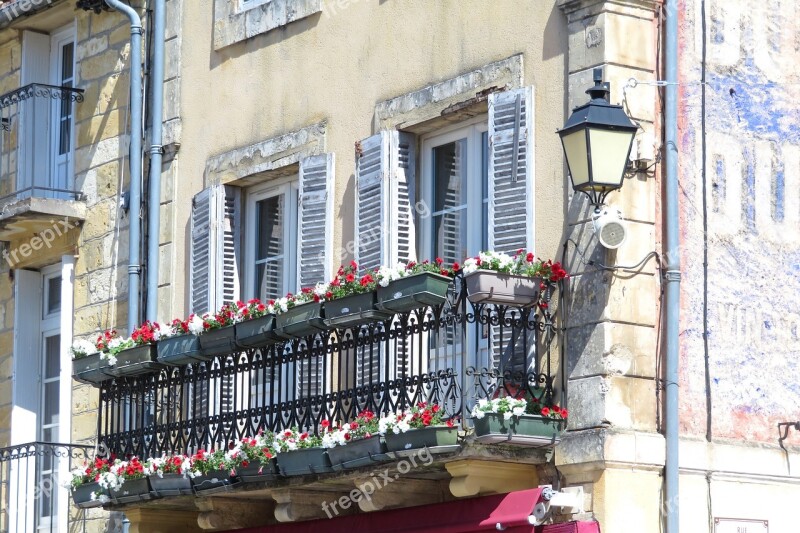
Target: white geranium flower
column 196, row 325
column 518, row 411
column 470, row 266
column 507, row 415
column 105, row 356
column 82, row 347
column 320, row 289
column 478, row 413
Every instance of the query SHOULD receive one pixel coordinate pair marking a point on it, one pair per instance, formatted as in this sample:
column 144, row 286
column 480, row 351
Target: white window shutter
column 315, row 220
column 385, row 183
column 34, row 138
column 214, row 262
column 511, row 170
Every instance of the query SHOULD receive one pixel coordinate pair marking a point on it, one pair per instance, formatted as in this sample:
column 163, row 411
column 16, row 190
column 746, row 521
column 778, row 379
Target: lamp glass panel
column 577, row 157
column 610, row 151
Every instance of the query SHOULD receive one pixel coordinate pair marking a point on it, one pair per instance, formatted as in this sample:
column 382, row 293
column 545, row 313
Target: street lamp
column 597, row 141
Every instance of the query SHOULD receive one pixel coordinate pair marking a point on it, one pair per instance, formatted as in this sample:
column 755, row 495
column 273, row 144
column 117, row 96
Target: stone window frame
column 235, row 22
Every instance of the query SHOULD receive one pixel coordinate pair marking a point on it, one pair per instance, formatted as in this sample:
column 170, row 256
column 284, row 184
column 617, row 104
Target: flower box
column 181, row 350
column 257, row 332
column 415, row 439
column 214, row 481
column 353, row 310
column 137, row 360
column 132, row 490
column 171, row 484
column 255, row 472
column 413, row 292
column 221, row 341
column 304, row 461
column 92, row 369
column 358, row 453
column 82, row 495
column 301, row 320
column 524, row 430
column 486, row 286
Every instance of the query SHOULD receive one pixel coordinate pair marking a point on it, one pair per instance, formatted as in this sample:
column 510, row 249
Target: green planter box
column 354, row 310
column 305, row 461
column 171, row 485
column 92, row 370
column 132, row 490
column 420, row 290
column 301, row 320
column 82, row 496
column 257, row 332
column 415, row 439
column 525, row 430
column 355, row 454
column 137, row 361
column 488, row 287
column 220, row 341
column 181, row 350
column 256, row 472
column 214, row 481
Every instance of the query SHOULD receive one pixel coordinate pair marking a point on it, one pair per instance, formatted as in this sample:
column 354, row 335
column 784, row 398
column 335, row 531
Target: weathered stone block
column 100, row 66
column 611, row 348
column 91, row 47
column 600, row 296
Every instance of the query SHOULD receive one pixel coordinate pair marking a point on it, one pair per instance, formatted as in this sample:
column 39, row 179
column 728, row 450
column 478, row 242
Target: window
column 46, row 137
column 271, row 241
column 454, row 186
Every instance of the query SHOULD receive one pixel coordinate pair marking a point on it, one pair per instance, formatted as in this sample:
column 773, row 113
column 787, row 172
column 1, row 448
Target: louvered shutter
column 315, row 250
column 214, row 262
column 34, row 142
column 511, row 176
column 214, row 276
column 385, row 223
column 315, row 253
column 511, row 194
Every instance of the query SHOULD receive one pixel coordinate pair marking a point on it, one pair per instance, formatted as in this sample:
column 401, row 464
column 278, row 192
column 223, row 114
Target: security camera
column 609, row 227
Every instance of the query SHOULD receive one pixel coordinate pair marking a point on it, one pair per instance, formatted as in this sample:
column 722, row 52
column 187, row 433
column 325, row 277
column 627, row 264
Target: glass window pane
column 50, row 414
column 270, row 247
column 52, row 357
column 53, row 295
column 450, row 201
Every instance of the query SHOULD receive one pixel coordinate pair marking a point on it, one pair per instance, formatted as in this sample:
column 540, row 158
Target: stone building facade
column 267, row 103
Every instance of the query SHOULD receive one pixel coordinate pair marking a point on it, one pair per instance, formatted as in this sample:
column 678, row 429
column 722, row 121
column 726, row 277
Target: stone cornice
column 581, row 9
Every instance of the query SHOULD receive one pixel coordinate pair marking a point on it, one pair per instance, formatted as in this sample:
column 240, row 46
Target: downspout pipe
column 672, row 277
column 135, row 157
column 156, row 151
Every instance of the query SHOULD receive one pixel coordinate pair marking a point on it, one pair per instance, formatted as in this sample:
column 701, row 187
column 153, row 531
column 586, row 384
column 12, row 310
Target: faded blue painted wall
column 753, row 211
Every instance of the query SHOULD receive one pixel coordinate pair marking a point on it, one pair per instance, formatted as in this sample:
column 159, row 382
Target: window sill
column 233, row 25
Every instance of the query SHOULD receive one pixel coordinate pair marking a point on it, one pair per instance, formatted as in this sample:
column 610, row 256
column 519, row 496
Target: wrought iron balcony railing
column 453, row 354
column 37, row 138
column 32, row 479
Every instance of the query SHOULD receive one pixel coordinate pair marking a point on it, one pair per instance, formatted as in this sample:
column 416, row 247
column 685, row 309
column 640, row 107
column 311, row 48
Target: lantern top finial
column 600, row 90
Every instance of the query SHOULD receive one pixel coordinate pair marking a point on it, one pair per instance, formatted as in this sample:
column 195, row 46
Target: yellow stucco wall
column 336, row 65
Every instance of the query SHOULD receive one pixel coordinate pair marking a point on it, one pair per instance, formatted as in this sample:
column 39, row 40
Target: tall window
column 454, row 186
column 49, row 408
column 63, row 74
column 271, row 240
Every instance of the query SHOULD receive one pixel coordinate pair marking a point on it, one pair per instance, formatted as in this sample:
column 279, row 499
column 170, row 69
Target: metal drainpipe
column 673, row 271
column 156, row 150
column 135, row 156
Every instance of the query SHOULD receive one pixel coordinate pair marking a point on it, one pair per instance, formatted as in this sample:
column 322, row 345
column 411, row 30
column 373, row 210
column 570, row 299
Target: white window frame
column 473, row 131
column 289, row 187
column 236, row 21
column 244, row 5
column 58, row 39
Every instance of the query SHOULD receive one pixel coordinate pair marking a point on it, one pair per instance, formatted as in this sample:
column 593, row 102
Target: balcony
column 36, row 160
column 31, row 485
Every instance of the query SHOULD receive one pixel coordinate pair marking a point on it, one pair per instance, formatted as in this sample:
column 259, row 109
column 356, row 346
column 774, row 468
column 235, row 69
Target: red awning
column 505, row 512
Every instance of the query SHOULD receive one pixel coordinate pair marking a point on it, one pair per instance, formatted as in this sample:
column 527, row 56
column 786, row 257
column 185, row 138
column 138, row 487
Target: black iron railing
column 452, row 354
column 32, row 479
column 36, row 142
